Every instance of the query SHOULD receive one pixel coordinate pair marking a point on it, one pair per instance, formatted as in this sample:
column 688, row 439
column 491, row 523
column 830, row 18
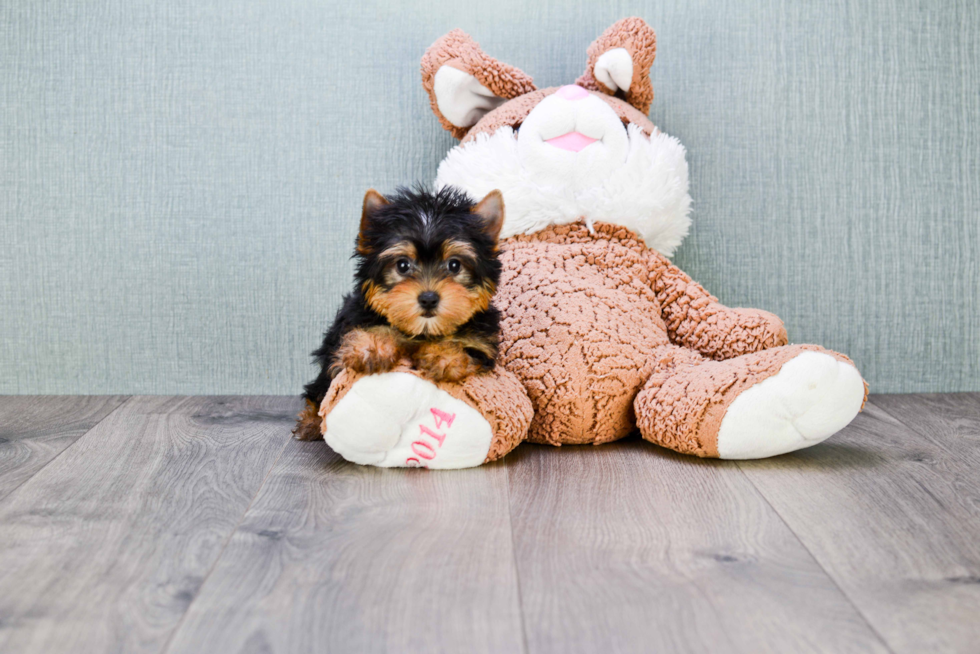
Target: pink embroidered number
column 425, row 450
column 442, row 417
column 428, row 453
column 428, row 432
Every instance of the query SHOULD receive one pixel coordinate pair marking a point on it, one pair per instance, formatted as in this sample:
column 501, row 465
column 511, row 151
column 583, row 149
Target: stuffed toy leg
column 748, row 407
column 730, row 387
column 399, row 419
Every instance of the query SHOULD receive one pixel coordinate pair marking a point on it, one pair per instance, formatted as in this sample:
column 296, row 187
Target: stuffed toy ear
column 619, row 63
column 464, row 83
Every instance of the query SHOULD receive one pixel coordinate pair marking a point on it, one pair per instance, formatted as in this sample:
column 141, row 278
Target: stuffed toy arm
column 695, row 319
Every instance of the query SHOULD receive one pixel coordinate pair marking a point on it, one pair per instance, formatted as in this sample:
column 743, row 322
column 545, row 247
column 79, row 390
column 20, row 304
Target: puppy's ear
column 619, row 63
column 464, row 83
column 491, row 210
column 372, row 202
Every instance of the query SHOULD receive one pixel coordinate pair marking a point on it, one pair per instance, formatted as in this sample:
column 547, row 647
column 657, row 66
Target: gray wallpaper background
column 180, row 181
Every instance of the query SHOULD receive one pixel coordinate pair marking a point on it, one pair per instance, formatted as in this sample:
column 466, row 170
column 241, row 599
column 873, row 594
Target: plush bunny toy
column 601, row 334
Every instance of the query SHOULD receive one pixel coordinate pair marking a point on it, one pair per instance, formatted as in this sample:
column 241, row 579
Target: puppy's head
column 428, row 262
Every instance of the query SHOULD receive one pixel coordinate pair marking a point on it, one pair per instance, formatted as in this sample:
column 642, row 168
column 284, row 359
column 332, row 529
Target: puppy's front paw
column 368, row 351
column 444, row 361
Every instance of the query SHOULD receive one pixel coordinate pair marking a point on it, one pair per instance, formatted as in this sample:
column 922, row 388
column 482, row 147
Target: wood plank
column 893, row 515
column 951, row 420
column 104, row 549
column 34, row 429
column 628, row 547
column 334, row 557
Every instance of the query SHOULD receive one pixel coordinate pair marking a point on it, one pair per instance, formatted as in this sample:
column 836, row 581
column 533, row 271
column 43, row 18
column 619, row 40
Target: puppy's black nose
column 428, row 300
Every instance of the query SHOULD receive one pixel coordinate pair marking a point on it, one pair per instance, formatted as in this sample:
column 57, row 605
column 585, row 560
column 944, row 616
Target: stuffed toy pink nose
column 573, row 92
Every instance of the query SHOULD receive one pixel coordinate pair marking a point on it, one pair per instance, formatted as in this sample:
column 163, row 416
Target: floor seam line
column 513, row 558
column 75, row 442
column 918, row 432
column 806, row 548
column 871, row 400
column 224, row 546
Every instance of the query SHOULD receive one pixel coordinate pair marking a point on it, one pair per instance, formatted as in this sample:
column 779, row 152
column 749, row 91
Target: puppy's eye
column 403, row 265
column 454, row 266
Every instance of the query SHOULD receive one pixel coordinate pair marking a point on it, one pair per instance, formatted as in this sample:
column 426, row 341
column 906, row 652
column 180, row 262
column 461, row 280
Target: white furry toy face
column 572, row 135
column 573, row 159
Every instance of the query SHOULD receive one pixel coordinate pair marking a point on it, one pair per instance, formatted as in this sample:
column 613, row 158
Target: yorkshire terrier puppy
column 427, row 269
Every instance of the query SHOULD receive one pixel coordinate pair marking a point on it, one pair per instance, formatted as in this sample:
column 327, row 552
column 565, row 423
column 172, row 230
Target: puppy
column 427, row 269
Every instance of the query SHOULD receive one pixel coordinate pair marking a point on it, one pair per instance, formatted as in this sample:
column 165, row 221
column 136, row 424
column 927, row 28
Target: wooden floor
column 196, row 524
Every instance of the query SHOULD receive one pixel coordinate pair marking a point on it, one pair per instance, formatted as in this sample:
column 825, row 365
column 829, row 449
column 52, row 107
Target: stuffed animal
column 601, row 333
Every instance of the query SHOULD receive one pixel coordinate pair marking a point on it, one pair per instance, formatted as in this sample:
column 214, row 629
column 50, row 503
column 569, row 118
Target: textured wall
column 180, row 181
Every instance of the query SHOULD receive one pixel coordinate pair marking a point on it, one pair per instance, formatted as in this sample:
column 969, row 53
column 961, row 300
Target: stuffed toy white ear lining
column 614, row 70
column 461, row 98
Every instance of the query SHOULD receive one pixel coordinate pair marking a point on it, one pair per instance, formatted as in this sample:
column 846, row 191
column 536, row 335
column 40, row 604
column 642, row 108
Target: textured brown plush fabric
column 695, row 319
column 637, row 38
column 589, row 318
column 497, row 395
column 513, row 113
column 459, row 50
column 682, row 405
column 580, row 323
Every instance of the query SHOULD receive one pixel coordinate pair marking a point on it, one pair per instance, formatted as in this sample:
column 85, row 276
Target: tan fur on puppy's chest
column 580, row 328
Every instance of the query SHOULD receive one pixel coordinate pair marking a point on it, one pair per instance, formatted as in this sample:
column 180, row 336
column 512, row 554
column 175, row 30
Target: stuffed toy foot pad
column 813, row 396
column 397, row 419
